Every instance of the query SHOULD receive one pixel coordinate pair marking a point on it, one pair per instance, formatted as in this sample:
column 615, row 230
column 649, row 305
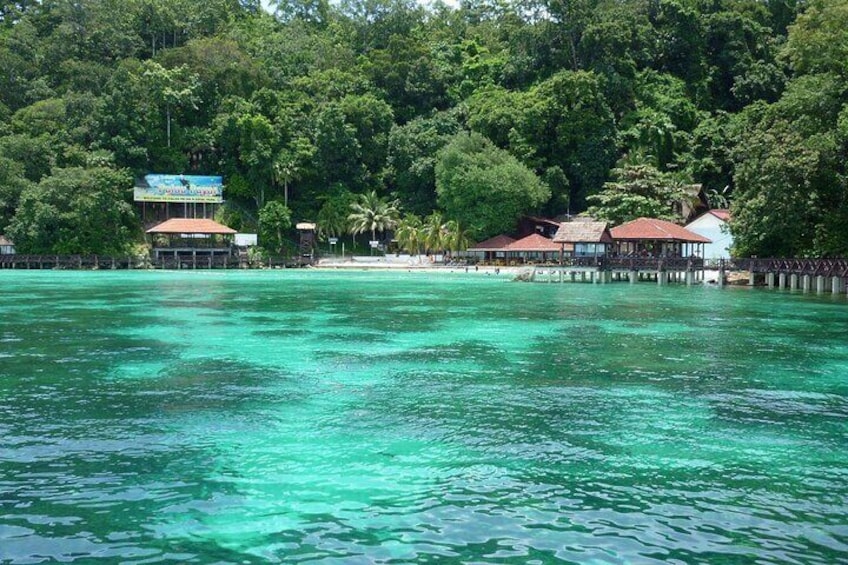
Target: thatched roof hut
column 584, row 238
column 583, row 232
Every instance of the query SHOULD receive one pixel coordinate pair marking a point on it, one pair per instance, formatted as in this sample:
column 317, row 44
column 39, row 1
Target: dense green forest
column 467, row 116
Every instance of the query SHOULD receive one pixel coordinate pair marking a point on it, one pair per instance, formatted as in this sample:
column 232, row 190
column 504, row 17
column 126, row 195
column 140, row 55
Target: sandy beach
column 411, row 264
column 423, row 264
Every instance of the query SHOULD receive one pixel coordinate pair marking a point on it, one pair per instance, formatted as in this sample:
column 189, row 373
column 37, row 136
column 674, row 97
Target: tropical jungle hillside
column 473, row 115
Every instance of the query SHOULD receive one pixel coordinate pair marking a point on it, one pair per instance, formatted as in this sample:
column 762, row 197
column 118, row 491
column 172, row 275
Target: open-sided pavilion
column 191, row 237
column 491, row 249
column 534, row 248
column 651, row 237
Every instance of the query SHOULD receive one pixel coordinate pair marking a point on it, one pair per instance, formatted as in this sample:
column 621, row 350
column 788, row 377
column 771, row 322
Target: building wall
column 715, row 229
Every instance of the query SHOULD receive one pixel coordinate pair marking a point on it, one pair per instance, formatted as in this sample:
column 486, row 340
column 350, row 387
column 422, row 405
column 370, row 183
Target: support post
column 835, row 285
column 819, row 284
column 633, row 276
column 806, row 283
column 770, row 280
column 781, row 281
column 793, row 281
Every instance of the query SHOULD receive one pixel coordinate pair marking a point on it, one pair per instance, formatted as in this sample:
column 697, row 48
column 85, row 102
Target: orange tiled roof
column 721, row 214
column 652, row 229
column 190, row 225
column 533, row 242
column 492, row 244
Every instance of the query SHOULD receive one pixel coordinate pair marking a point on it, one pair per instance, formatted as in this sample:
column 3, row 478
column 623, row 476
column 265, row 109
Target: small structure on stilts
column 308, row 247
column 644, row 249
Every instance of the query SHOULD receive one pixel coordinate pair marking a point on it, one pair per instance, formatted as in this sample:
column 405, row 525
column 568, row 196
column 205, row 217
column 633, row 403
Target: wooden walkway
column 96, row 262
column 807, row 275
column 810, row 267
column 819, row 275
column 662, row 270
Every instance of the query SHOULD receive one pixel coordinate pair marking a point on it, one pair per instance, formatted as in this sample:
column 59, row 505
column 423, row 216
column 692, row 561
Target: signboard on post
column 333, row 240
column 374, row 243
column 180, row 188
column 246, row 239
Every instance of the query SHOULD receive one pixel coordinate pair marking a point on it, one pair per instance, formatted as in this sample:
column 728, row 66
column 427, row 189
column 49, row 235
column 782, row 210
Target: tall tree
column 76, row 211
column 638, row 190
column 174, row 88
column 485, row 187
column 412, row 159
column 274, row 220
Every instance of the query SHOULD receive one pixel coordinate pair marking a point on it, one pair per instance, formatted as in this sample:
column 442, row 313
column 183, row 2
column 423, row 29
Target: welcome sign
column 180, row 188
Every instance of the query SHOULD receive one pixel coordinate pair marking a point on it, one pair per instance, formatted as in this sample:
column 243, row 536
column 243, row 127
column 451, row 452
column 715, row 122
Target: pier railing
column 812, row 267
column 20, row 261
column 185, row 261
column 636, row 263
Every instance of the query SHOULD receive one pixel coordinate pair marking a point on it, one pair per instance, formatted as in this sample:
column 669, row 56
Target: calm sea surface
column 252, row 417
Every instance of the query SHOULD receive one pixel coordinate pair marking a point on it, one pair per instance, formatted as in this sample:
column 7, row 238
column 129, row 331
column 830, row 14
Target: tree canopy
column 478, row 113
column 484, row 187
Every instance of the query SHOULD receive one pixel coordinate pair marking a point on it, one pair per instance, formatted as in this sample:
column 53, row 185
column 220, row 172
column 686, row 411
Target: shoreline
column 398, row 266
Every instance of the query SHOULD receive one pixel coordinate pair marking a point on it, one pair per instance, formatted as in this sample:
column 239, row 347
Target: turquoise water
column 261, row 417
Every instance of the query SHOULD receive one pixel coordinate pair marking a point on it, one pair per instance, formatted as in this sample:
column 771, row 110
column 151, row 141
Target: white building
column 713, row 225
column 6, row 246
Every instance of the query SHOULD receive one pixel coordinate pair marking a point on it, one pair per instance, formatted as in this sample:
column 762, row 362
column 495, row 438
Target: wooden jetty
column 602, row 270
column 97, row 262
column 807, row 275
column 19, row 261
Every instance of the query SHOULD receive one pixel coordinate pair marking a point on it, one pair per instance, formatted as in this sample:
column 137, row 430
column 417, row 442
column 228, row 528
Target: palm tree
column 410, row 234
column 718, row 198
column 456, row 238
column 434, row 232
column 285, row 170
column 372, row 213
column 332, row 217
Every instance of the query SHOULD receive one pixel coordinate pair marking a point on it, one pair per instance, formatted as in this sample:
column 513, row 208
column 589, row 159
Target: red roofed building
column 191, row 226
column 190, row 237
column 533, row 248
column 490, row 249
column 656, row 238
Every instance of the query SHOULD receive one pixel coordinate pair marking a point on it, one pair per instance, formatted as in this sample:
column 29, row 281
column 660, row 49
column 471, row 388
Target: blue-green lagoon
column 339, row 417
